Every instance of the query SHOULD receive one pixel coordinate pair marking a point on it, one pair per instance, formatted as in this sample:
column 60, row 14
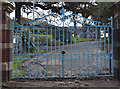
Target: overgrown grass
column 18, row 57
column 78, row 39
column 49, row 36
column 17, row 64
column 34, row 50
column 18, row 60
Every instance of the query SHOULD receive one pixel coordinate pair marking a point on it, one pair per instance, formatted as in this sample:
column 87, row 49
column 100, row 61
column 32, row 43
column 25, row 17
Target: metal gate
column 62, row 46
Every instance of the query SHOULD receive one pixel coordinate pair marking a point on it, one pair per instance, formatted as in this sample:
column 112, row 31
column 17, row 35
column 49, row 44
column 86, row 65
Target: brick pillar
column 5, row 42
column 117, row 53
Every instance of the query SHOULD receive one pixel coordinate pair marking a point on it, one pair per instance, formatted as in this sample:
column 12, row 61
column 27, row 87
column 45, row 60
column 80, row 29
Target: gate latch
column 63, row 52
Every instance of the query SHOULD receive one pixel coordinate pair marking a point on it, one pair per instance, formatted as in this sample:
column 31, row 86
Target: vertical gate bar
column 93, row 64
column 112, row 61
column 100, row 55
column 97, row 55
column 79, row 49
column 51, row 51
column 97, row 38
column 88, row 29
column 67, row 36
column 109, row 67
column 88, row 53
column 79, row 66
column 68, row 56
column 100, row 40
column 55, row 52
column 100, row 50
column 29, row 53
column 25, row 48
column 17, row 53
column 63, row 39
column 104, row 39
column 83, row 66
column 105, row 49
column 63, row 65
column 21, row 60
column 13, row 29
column 33, row 57
column 108, row 39
column 75, row 47
column 24, row 40
column 99, row 43
column 59, row 51
column 96, row 35
column 37, row 55
column 47, row 54
column 71, row 50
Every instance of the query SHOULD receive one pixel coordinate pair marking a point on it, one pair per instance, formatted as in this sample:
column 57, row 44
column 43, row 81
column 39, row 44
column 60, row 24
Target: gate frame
column 63, row 17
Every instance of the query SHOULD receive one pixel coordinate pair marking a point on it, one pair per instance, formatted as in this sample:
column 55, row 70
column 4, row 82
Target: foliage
column 3, row 84
column 78, row 39
column 101, row 11
column 79, row 7
column 74, row 7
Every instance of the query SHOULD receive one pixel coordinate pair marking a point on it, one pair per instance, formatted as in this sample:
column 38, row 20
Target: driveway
column 87, row 83
column 80, row 60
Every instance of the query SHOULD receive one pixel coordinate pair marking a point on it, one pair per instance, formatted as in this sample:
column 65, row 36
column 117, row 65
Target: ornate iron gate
column 62, row 46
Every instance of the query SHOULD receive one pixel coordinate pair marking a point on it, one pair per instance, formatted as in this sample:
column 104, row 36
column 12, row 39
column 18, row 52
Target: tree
column 74, row 7
column 29, row 5
column 101, row 11
column 78, row 7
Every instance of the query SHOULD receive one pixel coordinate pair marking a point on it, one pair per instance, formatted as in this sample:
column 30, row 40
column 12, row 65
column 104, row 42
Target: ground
column 80, row 59
column 108, row 82
column 92, row 64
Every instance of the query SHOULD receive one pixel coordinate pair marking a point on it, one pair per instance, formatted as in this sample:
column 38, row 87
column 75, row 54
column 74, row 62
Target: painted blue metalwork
column 63, row 47
column 13, row 27
column 112, row 61
column 21, row 52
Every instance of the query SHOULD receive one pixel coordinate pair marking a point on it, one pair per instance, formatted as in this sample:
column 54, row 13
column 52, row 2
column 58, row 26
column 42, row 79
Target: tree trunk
column 75, row 27
column 18, row 11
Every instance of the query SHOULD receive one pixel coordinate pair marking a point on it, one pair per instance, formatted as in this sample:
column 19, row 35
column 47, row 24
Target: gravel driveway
column 80, row 59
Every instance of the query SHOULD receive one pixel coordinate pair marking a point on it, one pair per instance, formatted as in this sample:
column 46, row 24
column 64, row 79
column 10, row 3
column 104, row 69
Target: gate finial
column 62, row 11
column 63, row 14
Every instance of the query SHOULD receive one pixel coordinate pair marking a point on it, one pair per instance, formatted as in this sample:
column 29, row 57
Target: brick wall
column 5, row 42
column 116, row 53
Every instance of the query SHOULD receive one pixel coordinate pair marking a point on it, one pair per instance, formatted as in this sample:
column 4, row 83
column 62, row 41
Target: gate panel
column 68, row 46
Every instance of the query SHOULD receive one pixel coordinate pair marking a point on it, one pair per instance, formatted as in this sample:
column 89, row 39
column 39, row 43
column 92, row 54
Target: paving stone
column 86, row 84
column 76, row 81
column 82, row 85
